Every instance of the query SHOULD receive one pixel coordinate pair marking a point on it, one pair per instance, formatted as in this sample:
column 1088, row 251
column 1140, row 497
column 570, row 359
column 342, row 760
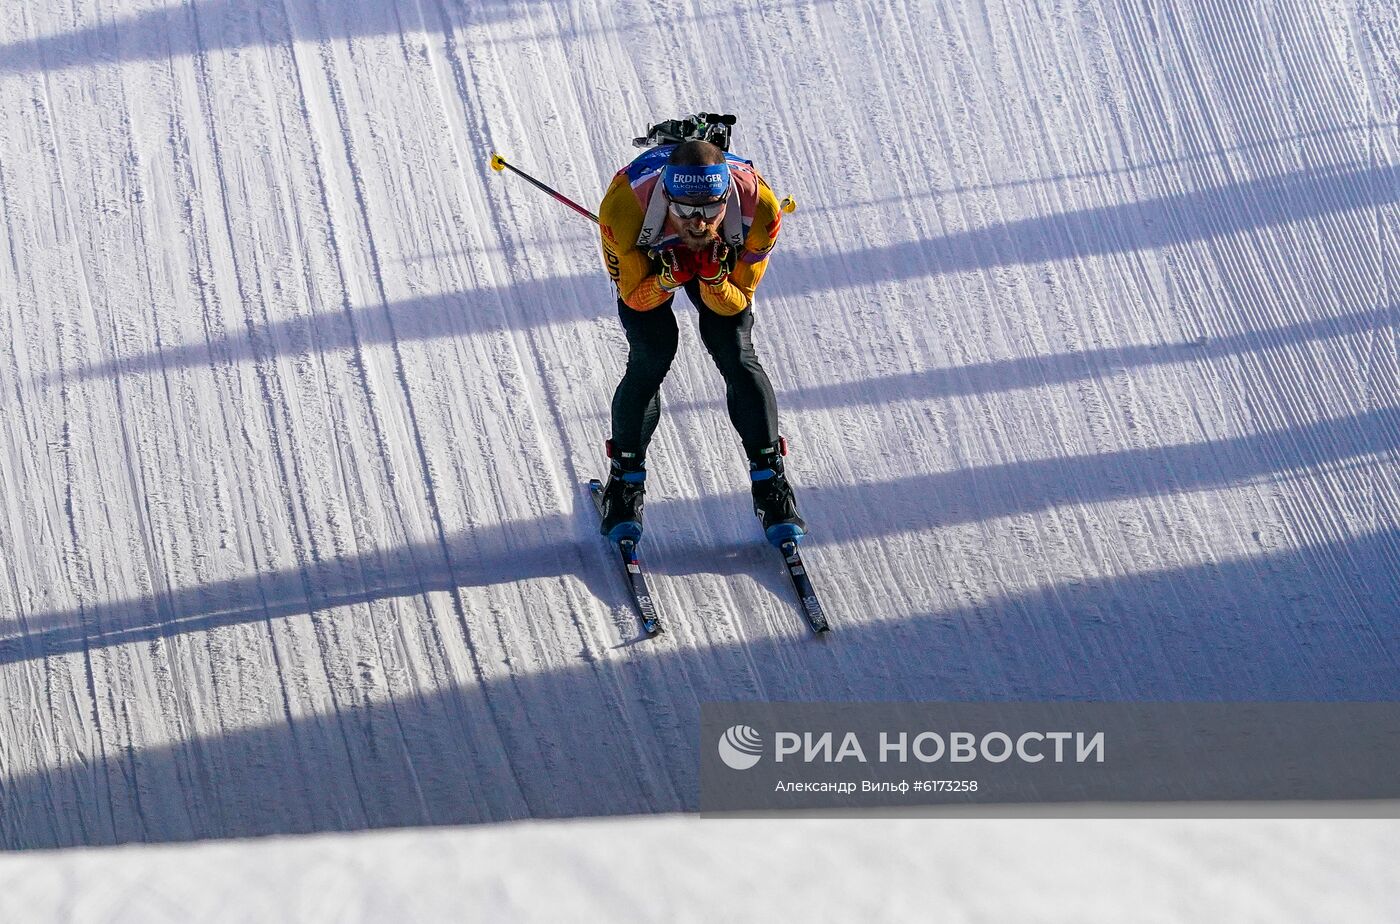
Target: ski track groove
column 224, row 372
column 455, row 68
column 85, row 579
column 359, row 361
column 275, row 407
column 378, row 282
column 475, row 127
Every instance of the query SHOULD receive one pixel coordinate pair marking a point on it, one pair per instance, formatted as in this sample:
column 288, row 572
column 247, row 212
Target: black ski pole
column 498, row 163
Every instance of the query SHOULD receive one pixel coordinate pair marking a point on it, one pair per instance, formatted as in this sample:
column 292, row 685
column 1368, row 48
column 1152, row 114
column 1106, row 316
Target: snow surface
column 950, row 871
column 1084, row 335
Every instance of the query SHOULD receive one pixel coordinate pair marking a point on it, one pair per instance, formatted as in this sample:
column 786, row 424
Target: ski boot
column 622, row 498
column 773, row 502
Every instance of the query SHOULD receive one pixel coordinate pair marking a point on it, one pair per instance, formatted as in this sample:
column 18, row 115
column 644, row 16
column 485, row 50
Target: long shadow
column 970, row 495
column 184, row 28
column 1180, row 218
column 1112, row 229
column 843, row 513
column 202, row 26
column 434, row 317
column 1060, row 368
column 1212, row 155
column 486, row 557
column 1307, row 624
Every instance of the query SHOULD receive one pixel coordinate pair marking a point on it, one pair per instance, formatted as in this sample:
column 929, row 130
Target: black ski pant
column 651, row 340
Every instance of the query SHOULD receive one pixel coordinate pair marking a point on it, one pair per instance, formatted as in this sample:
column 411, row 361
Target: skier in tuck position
column 691, row 216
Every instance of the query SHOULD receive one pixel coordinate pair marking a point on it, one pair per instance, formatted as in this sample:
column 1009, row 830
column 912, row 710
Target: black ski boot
column 772, row 496
column 622, row 499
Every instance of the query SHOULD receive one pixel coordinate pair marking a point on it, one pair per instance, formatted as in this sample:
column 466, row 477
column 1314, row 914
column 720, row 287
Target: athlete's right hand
column 674, row 272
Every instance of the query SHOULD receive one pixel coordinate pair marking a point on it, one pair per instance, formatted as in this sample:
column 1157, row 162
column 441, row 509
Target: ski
column 806, row 593
column 632, row 567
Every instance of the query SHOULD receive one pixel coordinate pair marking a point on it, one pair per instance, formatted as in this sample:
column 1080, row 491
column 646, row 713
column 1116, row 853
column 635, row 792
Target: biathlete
column 691, row 216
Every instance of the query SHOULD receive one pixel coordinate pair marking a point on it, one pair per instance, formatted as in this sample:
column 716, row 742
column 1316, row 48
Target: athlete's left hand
column 712, row 264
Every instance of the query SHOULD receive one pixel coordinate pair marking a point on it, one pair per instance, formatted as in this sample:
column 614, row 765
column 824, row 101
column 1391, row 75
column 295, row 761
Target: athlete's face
column 696, row 223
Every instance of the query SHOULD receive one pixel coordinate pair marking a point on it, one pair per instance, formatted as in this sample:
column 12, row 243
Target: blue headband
column 709, row 182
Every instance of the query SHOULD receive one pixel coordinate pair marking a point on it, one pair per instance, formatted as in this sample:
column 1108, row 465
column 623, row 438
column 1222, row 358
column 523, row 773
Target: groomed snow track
column 1084, row 333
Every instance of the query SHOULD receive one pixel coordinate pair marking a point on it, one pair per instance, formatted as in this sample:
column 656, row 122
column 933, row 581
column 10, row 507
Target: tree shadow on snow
column 986, row 378
column 531, row 303
column 209, row 26
column 617, row 735
column 568, row 545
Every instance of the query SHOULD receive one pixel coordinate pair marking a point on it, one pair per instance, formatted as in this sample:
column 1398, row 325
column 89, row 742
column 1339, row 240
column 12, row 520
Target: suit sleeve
column 735, row 293
column 619, row 223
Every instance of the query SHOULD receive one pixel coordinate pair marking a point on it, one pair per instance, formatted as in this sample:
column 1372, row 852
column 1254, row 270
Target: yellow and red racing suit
column 635, row 270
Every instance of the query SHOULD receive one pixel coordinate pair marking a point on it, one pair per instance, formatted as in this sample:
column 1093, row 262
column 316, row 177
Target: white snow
column 1085, row 340
column 669, row 868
